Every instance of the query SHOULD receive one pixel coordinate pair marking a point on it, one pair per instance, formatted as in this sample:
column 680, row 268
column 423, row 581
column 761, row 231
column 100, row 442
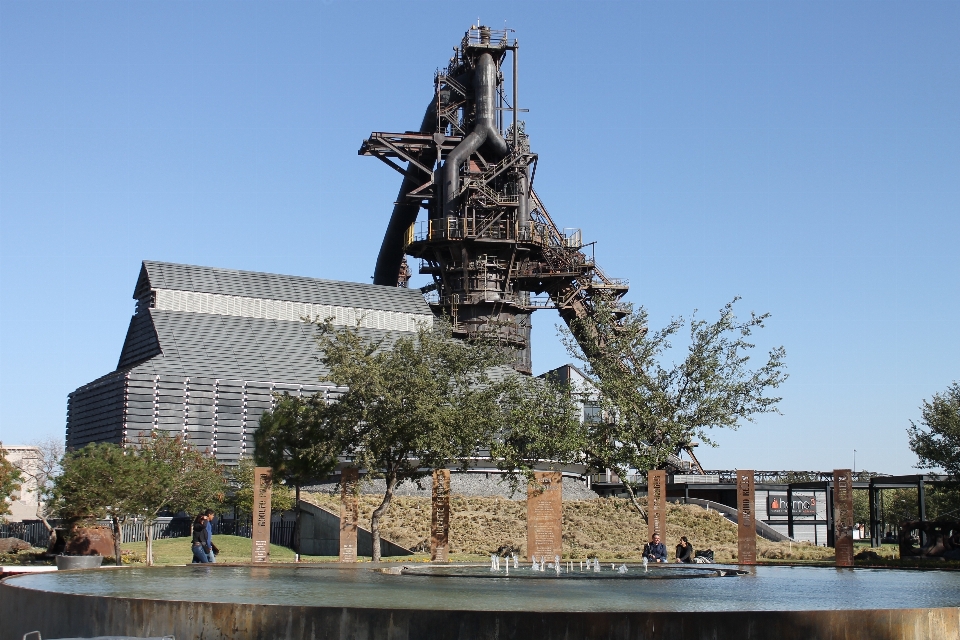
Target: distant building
column 586, row 394
column 207, row 348
column 26, row 501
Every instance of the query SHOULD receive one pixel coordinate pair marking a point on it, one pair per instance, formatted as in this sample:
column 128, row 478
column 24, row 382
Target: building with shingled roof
column 207, row 349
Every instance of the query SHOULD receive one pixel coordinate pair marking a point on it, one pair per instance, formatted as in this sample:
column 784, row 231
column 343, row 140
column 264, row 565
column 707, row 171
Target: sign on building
column 803, row 506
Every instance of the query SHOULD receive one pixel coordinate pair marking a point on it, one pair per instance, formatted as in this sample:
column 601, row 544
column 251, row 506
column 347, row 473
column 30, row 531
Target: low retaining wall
column 58, row 615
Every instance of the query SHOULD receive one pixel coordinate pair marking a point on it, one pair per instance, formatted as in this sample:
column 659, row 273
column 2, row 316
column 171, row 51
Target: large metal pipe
column 523, row 210
column 405, row 211
column 484, row 132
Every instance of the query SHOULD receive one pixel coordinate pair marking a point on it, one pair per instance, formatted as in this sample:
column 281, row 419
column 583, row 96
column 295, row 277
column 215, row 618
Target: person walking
column 212, row 548
column 684, row 550
column 199, row 543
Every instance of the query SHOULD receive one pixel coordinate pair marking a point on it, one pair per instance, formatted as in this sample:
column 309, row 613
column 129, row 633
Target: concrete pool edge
column 70, row 615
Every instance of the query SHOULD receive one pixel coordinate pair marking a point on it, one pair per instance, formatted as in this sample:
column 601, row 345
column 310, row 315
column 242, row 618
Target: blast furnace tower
column 487, row 240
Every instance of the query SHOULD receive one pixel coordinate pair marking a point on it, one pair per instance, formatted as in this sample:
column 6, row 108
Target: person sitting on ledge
column 655, row 551
column 684, row 550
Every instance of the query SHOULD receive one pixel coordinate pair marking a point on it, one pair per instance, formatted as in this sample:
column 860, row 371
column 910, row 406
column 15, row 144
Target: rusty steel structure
column 488, row 241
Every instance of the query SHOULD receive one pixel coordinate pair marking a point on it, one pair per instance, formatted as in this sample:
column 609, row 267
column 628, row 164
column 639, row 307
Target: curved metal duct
column 484, row 131
column 405, row 211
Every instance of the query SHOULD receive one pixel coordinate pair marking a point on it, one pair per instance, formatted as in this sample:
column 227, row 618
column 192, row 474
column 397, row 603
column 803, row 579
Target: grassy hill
column 609, row 528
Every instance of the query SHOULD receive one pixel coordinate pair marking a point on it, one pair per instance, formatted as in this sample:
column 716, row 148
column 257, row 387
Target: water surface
column 764, row 588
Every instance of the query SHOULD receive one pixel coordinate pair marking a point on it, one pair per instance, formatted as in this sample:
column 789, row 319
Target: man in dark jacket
column 655, row 551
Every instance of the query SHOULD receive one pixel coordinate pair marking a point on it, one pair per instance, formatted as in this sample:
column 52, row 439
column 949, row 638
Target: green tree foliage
column 9, row 482
column 655, row 408
column 538, row 426
column 861, row 507
column 99, row 481
column 299, row 442
column 241, row 491
column 410, row 407
column 898, row 505
column 160, row 473
column 936, row 439
column 943, row 503
column 177, row 477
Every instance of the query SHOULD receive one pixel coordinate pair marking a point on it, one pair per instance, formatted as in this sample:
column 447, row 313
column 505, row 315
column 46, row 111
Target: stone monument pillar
column 545, row 516
column 657, row 505
column 746, row 518
column 843, row 516
column 349, row 514
column 440, row 516
column 262, row 486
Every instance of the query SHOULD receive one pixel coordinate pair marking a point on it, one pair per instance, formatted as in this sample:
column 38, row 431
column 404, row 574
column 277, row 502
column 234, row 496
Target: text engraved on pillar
column 843, row 516
column 440, row 516
column 349, row 515
column 657, row 504
column 262, row 487
column 746, row 518
column 545, row 515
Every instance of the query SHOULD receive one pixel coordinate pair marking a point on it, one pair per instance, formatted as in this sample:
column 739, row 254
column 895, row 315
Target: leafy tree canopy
column 654, row 408
column 101, row 480
column 297, row 440
column 411, row 406
column 179, row 477
column 539, row 426
column 160, row 473
column 300, row 443
column 97, row 481
column 241, row 484
column 9, row 481
column 936, row 439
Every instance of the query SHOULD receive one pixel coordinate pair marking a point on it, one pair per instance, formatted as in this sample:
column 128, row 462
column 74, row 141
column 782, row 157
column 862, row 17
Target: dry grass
column 608, row 528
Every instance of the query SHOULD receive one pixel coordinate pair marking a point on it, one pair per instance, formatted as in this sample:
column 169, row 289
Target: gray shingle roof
column 230, row 282
column 231, row 347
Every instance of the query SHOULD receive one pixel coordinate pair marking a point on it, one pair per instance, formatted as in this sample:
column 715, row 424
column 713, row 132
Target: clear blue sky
column 803, row 155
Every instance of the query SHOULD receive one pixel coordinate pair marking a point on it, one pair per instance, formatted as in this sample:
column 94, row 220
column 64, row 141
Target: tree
column 411, row 406
column 241, row 484
column 9, row 481
column 654, row 408
column 176, row 477
column 101, row 480
column 936, row 439
column 41, row 471
column 298, row 441
column 538, row 426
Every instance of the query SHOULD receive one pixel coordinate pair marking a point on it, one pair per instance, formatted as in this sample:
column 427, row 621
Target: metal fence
column 163, row 528
column 281, row 531
column 32, row 531
column 35, row 533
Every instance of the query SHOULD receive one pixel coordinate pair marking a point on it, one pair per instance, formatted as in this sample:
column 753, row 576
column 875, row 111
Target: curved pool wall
column 333, row 601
